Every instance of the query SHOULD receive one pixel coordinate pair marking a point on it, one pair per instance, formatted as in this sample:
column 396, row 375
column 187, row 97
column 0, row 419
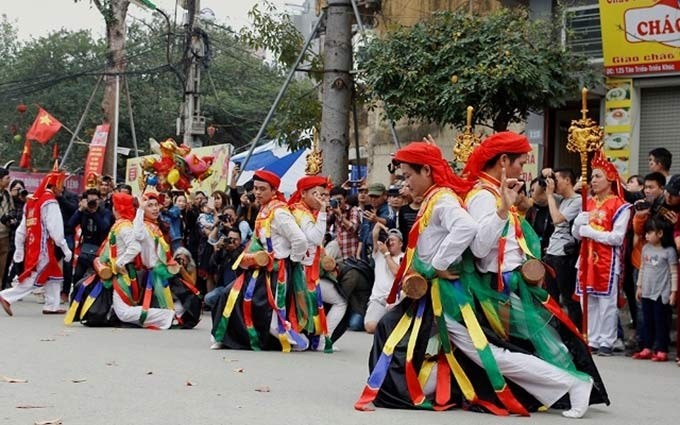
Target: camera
column 226, row 218
column 251, row 197
column 543, row 181
column 334, row 203
column 11, row 219
column 92, row 203
column 23, row 193
column 643, row 205
column 383, row 236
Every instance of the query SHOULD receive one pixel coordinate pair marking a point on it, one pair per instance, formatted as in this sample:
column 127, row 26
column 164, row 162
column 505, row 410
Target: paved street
column 135, row 376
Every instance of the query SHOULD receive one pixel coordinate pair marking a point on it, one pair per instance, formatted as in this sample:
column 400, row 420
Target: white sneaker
column 216, row 346
column 619, row 346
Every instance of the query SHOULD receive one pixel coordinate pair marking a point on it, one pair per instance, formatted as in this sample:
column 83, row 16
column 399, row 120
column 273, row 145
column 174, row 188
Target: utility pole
column 191, row 123
column 337, row 89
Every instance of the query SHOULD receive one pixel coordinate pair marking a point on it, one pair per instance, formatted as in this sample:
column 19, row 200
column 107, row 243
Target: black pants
column 357, row 288
column 562, row 287
column 655, row 318
column 82, row 266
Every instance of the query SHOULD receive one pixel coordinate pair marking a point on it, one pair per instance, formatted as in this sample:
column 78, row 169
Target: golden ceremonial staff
column 466, row 142
column 585, row 136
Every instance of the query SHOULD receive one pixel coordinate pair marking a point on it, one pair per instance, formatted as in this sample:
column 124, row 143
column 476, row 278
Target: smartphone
column 355, row 183
column 211, row 203
column 368, row 208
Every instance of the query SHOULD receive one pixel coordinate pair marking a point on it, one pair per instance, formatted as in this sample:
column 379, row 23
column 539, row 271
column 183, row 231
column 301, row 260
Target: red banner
column 95, row 157
column 32, row 181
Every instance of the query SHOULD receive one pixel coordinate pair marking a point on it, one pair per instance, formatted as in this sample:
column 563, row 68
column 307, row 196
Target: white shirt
column 314, row 232
column 613, row 238
column 384, row 278
column 288, row 240
column 127, row 246
column 447, row 236
column 148, row 248
column 482, row 206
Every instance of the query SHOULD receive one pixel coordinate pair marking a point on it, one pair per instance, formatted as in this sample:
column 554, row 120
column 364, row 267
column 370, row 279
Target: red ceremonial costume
column 41, row 230
column 602, row 229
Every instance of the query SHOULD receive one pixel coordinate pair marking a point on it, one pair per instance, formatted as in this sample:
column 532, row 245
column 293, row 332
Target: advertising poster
column 618, row 123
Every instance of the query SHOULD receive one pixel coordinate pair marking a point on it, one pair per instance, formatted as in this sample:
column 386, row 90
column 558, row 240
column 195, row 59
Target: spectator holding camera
column 387, row 256
column 228, row 248
column 377, row 211
column 564, row 205
column 7, row 218
column 95, row 222
column 18, row 193
column 538, row 214
column 345, row 222
column 652, row 205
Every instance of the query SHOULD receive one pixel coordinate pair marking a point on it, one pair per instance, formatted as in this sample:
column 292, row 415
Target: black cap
column 673, row 185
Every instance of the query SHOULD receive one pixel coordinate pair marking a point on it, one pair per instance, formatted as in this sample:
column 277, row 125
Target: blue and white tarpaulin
column 290, row 166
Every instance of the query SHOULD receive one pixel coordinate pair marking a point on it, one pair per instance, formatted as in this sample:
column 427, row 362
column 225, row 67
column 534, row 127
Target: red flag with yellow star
column 25, row 161
column 44, row 127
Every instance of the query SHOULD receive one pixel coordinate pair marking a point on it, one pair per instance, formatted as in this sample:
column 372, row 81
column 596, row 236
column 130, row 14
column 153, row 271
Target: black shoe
column 605, row 352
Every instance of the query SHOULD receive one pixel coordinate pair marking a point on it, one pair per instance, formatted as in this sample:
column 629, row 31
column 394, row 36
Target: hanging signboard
column 640, row 37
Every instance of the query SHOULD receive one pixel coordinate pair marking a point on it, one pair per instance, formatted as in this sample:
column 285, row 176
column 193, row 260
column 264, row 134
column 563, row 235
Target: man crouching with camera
column 228, row 246
column 95, row 221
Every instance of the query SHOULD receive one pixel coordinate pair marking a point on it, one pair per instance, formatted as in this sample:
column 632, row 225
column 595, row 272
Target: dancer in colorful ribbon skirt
column 447, row 343
column 308, row 206
column 162, row 285
column 253, row 314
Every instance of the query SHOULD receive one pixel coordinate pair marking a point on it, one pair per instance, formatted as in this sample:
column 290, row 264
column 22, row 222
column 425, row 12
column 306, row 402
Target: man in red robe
column 41, row 231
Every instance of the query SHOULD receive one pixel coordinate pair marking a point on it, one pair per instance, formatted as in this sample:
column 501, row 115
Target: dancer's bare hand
column 447, row 275
column 510, row 188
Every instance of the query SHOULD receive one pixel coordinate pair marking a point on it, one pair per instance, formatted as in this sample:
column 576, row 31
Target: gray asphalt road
column 135, row 376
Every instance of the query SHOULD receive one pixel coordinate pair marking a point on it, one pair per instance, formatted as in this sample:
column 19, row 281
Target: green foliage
column 300, row 108
column 503, row 64
column 273, row 31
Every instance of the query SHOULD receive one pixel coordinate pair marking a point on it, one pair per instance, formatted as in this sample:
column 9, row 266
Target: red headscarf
column 421, row 153
column 504, row 142
column 273, row 180
column 601, row 162
column 124, row 205
column 308, row 182
column 269, row 177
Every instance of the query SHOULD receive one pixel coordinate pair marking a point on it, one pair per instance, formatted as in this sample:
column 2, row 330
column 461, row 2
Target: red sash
column 38, row 242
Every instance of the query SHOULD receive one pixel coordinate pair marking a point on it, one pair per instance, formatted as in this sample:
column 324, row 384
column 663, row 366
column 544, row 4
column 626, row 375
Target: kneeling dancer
column 413, row 362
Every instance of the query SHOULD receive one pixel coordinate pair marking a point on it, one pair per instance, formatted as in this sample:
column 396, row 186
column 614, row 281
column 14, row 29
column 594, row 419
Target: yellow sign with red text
column 640, row 36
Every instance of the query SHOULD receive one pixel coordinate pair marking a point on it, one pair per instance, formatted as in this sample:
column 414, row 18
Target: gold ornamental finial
column 585, row 135
column 466, row 141
column 314, row 158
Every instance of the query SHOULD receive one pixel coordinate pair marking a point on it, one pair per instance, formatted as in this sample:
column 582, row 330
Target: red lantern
column 211, row 131
column 21, row 108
